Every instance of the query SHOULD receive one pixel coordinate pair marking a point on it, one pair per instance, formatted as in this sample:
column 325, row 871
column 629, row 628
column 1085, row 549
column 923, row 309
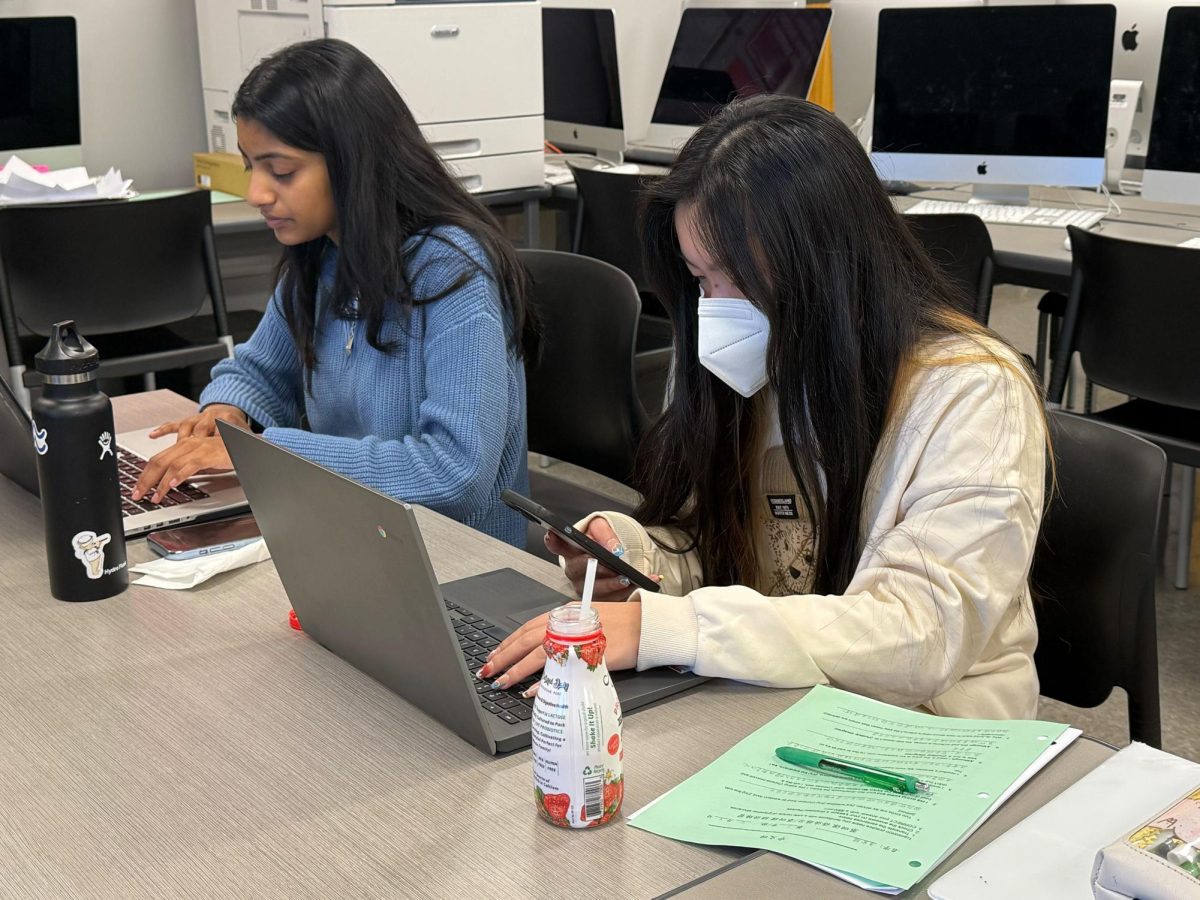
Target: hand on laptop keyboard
column 521, row 655
column 198, row 449
column 129, row 470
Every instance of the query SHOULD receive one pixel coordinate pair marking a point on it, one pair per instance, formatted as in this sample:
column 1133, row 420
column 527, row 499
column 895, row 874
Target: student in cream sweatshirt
column 847, row 484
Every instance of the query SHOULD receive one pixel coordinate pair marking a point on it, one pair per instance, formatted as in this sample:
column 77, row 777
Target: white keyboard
column 556, row 174
column 999, row 214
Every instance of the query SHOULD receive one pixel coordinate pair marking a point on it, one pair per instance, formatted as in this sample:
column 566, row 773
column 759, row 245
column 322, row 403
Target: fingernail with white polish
column 624, row 582
column 498, row 684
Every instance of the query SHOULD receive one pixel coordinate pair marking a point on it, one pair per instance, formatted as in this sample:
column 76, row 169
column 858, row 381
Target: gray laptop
column 202, row 498
column 357, row 573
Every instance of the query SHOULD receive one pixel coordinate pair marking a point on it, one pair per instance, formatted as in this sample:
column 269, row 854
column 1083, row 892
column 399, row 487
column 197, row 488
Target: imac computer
column 1004, row 97
column 1173, row 157
column 39, row 91
column 720, row 54
column 1137, row 46
column 852, row 40
column 581, row 81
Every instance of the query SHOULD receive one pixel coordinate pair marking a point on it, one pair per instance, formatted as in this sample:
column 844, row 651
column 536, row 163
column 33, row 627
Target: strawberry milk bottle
column 576, row 725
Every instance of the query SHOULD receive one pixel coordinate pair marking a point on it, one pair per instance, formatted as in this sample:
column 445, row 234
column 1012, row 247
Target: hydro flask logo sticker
column 89, row 550
column 105, row 442
column 39, row 440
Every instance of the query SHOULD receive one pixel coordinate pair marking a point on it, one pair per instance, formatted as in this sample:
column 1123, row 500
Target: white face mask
column 733, row 343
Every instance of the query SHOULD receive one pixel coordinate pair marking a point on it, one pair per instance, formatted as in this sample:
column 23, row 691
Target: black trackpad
column 520, row 618
column 505, row 596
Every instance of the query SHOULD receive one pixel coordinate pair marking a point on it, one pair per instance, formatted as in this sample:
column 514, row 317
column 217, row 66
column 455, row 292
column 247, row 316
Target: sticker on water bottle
column 89, row 550
column 105, row 442
column 39, row 440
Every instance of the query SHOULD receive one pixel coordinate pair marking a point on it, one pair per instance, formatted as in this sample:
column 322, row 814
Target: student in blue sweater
column 390, row 351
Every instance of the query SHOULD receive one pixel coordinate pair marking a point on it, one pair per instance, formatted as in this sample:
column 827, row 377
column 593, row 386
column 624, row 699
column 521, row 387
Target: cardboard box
column 221, row 172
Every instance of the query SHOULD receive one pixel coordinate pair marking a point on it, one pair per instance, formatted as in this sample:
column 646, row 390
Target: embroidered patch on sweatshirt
column 783, row 506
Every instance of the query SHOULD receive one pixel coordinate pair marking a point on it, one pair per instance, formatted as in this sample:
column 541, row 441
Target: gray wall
column 139, row 73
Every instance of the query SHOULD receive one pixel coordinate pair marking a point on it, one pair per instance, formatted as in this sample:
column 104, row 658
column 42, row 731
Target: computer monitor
column 852, row 40
column 39, row 91
column 1137, row 46
column 1173, row 157
column 720, row 54
column 582, row 83
column 1001, row 96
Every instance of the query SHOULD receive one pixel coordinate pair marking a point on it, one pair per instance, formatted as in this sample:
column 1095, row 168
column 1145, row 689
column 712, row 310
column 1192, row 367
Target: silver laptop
column 202, row 498
column 721, row 53
column 356, row 571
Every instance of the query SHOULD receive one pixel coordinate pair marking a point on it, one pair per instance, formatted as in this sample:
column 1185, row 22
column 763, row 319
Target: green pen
column 900, row 784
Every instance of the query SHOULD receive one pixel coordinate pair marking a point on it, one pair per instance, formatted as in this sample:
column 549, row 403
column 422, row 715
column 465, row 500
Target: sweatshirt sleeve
column 646, row 550
column 452, row 460
column 263, row 379
column 929, row 589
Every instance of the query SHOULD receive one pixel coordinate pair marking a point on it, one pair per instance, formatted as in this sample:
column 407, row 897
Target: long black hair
column 328, row 97
column 788, row 206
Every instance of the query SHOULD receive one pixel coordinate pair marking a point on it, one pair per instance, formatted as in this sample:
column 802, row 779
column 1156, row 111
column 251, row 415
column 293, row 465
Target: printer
column 471, row 72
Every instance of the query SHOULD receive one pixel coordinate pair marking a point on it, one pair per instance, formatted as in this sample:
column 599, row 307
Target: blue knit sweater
column 438, row 421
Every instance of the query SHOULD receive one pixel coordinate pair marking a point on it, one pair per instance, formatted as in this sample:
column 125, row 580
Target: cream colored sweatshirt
column 938, row 613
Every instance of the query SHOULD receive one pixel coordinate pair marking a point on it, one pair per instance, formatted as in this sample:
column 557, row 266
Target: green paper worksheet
column 750, row 798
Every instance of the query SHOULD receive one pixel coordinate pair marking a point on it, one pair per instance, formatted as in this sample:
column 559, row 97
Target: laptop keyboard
column 477, row 637
column 129, row 468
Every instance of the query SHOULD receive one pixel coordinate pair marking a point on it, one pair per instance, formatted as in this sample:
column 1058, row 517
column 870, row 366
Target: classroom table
column 190, row 743
column 1035, row 256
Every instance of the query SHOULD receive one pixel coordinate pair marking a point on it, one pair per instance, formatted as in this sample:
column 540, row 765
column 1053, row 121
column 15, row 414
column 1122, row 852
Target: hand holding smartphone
column 568, row 532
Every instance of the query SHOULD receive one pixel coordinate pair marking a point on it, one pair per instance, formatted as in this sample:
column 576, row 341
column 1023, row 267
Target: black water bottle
column 77, row 471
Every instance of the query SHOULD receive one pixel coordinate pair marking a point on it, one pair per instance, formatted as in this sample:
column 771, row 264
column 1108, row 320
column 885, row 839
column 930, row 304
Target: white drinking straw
column 589, row 584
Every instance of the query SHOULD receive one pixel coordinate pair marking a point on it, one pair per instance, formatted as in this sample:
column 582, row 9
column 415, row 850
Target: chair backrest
column 1133, row 315
column 110, row 266
column 582, row 400
column 607, row 225
column 961, row 246
column 1093, row 571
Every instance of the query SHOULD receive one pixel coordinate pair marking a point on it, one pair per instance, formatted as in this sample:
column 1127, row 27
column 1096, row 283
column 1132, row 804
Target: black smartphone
column 569, row 532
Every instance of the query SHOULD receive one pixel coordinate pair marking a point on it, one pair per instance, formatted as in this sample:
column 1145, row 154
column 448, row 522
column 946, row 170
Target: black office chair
column 961, row 245
column 1133, row 318
column 123, row 271
column 1093, row 572
column 606, row 228
column 583, row 404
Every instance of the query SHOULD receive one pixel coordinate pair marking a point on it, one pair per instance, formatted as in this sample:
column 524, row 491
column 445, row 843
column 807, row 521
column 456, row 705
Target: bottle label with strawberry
column 577, row 752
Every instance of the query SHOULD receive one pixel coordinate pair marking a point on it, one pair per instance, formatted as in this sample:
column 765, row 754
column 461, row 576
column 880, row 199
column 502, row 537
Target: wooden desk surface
column 164, row 744
column 190, row 743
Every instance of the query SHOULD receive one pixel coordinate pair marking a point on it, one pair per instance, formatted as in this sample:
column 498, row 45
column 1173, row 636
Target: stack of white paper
column 22, row 183
column 1049, row 855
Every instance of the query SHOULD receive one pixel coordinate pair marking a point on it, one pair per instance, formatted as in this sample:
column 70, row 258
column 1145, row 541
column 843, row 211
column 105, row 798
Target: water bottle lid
column 66, row 352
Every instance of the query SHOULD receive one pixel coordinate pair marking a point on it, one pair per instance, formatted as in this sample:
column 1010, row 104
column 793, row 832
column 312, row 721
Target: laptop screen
column 17, row 459
column 720, row 54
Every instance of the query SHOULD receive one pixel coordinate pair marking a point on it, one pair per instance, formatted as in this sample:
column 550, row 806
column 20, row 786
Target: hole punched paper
column 871, row 837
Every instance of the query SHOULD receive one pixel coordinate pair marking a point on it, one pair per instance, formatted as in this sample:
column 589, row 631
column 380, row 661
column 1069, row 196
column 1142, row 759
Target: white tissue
column 181, row 574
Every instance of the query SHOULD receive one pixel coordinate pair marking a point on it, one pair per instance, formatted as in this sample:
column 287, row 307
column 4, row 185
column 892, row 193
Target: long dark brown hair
column 789, row 207
column 388, row 185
